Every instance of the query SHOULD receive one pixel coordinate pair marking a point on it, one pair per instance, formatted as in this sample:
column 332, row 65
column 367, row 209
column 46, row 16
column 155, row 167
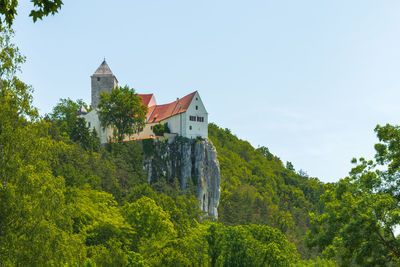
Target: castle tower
column 103, row 80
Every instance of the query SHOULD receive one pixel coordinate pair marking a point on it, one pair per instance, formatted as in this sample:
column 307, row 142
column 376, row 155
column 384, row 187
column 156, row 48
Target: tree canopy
column 64, row 203
column 42, row 8
column 160, row 129
column 122, row 109
column 362, row 210
column 257, row 188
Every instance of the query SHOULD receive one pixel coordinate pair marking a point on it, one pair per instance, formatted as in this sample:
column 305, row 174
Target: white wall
column 176, row 124
column 198, row 128
column 92, row 120
column 146, row 132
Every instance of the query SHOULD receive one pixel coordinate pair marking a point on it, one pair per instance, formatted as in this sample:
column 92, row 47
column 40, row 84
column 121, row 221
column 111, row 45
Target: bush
column 160, row 129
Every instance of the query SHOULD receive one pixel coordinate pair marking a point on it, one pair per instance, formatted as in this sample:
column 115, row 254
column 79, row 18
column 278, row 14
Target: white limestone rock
column 189, row 161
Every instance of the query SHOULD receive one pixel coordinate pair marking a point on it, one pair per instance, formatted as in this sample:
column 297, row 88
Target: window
column 200, row 119
column 98, row 78
column 190, row 127
column 89, row 124
column 192, row 118
column 197, row 98
column 151, row 127
column 197, row 107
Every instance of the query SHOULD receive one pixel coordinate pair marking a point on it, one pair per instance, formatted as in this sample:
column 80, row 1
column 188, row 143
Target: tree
column 214, row 239
column 35, row 229
column 160, row 129
column 98, row 219
column 8, row 9
column 66, row 121
column 362, row 210
column 257, row 245
column 149, row 221
column 81, row 133
column 289, row 166
column 123, row 110
column 64, row 113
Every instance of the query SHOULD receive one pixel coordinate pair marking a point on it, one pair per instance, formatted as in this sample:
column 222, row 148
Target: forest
column 66, row 200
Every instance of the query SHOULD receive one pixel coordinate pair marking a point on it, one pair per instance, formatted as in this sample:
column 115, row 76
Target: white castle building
column 185, row 116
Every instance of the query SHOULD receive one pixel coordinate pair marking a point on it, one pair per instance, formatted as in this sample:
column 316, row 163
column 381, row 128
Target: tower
column 103, row 80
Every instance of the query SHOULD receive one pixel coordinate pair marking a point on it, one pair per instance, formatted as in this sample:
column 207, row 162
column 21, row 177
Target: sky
column 308, row 79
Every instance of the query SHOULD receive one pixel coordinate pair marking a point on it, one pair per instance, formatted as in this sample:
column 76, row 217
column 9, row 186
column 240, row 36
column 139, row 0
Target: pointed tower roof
column 103, row 69
column 82, row 111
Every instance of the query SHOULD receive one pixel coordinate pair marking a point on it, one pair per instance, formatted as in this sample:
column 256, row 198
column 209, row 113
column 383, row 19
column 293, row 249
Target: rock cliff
column 191, row 162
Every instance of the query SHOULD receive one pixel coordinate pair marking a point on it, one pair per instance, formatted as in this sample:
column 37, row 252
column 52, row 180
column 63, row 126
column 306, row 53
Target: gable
column 148, row 99
column 197, row 102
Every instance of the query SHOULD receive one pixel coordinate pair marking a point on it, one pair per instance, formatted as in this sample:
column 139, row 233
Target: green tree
column 149, row 221
column 8, row 9
column 98, row 219
column 81, row 133
column 257, row 245
column 257, row 188
column 214, row 239
column 289, row 166
column 128, row 160
column 33, row 227
column 122, row 109
column 65, row 114
column 160, row 129
column 362, row 210
column 67, row 123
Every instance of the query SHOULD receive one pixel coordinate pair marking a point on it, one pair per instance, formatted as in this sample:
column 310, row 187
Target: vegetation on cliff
column 257, row 188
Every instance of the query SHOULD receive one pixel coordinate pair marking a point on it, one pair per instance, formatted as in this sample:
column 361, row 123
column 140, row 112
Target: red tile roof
column 145, row 98
column 162, row 112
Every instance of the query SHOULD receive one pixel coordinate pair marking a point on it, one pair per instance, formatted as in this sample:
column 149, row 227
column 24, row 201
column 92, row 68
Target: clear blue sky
column 308, row 79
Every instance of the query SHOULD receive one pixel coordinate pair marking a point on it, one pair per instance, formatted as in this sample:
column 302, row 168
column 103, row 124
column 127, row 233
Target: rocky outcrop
column 193, row 163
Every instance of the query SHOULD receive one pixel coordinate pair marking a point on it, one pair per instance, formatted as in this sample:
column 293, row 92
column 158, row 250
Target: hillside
column 65, row 200
column 73, row 194
column 83, row 204
column 257, row 188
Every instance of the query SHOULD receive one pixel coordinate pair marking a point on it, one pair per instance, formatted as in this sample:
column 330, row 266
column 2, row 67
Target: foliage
column 148, row 220
column 160, row 129
column 64, row 113
column 317, row 263
column 67, row 123
column 123, row 110
column 8, row 9
column 35, row 229
column 257, row 188
column 65, row 200
column 362, row 210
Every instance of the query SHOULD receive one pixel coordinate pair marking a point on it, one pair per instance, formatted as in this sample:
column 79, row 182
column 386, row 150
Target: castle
column 185, row 116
